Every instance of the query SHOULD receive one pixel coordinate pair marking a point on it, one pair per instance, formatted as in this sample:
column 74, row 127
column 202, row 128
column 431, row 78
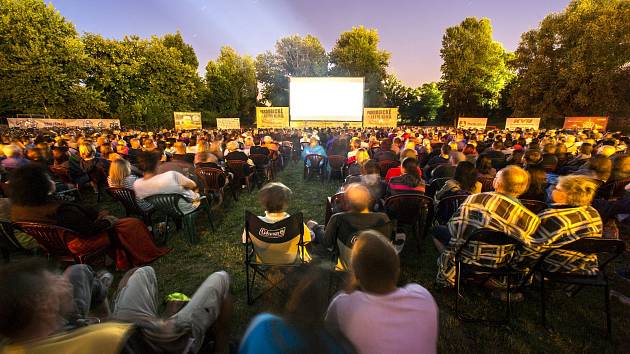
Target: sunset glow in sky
column 411, row 30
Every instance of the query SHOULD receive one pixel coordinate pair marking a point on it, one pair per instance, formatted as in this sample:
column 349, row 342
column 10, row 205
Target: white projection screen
column 326, row 98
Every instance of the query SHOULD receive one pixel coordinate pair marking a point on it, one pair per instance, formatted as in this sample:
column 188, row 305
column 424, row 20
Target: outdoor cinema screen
column 326, row 98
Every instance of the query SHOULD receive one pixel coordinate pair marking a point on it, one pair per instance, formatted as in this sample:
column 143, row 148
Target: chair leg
column 509, row 300
column 248, row 288
column 457, row 289
column 542, row 301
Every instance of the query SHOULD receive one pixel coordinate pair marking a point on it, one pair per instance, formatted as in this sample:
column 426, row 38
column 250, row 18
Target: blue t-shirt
column 269, row 333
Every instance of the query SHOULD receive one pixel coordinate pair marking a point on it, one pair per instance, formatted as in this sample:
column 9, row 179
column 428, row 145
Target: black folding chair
column 347, row 235
column 464, row 270
column 413, row 214
column 168, row 205
column 315, row 165
column 447, row 206
column 610, row 248
column 266, row 247
column 435, row 185
column 264, row 168
column 337, row 166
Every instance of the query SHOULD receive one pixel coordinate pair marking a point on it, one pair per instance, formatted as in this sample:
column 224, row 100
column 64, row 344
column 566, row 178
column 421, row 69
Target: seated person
column 30, row 202
column 397, row 171
column 409, row 182
column 448, row 170
column 371, row 178
column 495, row 154
column 209, row 310
column 439, row 159
column 42, row 311
column 120, row 176
column 401, row 320
column 95, row 167
column 206, row 159
column 170, row 182
column 358, row 217
column 181, row 161
column 537, row 189
column 570, row 218
column 314, row 148
column 463, row 183
column 484, row 167
column 66, row 167
column 499, row 210
column 385, row 152
column 274, row 197
column 301, row 327
column 598, row 167
column 355, row 166
column 235, row 154
column 180, row 154
column 13, row 157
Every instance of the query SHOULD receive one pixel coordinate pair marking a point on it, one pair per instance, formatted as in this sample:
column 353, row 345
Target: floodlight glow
column 326, row 98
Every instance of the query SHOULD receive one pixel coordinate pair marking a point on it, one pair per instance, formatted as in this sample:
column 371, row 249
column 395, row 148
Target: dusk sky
column 411, row 30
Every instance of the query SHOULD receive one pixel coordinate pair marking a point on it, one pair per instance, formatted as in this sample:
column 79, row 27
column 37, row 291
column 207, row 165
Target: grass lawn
column 575, row 325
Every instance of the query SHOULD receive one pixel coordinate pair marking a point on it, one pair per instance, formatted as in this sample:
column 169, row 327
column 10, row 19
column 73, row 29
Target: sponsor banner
column 323, row 124
column 272, row 117
column 187, row 120
column 523, row 123
column 41, row 123
column 380, row 117
column 472, row 123
column 592, row 123
column 229, row 123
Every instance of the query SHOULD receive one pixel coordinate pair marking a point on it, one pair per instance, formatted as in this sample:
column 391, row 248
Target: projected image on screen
column 326, row 98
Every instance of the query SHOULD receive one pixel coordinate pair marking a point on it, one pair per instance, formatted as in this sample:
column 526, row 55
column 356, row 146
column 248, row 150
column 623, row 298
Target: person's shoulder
column 417, row 290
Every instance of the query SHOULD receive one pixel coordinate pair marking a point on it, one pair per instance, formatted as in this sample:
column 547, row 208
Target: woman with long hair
column 463, row 183
column 410, row 180
column 484, row 167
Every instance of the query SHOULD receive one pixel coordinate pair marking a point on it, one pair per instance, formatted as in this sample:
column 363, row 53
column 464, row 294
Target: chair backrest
column 435, row 185
column 61, row 173
column 259, row 160
column 489, row 237
column 167, row 203
column 447, row 206
column 335, row 204
column 7, row 238
column 314, row 159
column 535, row 206
column 52, row 238
column 286, row 150
column 409, row 209
column 213, row 179
column 336, row 162
column 613, row 189
column 275, row 243
column 385, row 165
column 349, row 235
column 609, row 248
column 486, row 183
column 237, row 167
column 127, row 197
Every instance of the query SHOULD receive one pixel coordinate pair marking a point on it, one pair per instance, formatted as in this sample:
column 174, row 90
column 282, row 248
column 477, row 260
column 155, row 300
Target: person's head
column 410, row 167
column 607, row 150
column 60, row 155
column 358, row 198
column 205, row 157
column 574, row 190
column 466, row 175
column 537, row 179
column 621, row 167
column 148, row 161
column 314, row 142
column 497, row 145
column 532, row 157
column 362, row 156
column 180, row 148
column 118, row 171
column 33, row 301
column 511, row 180
column 267, row 139
column 370, row 167
column 87, row 151
column 375, row 263
column 408, row 153
column 445, row 150
column 601, row 166
column 484, row 164
column 274, row 197
column 35, row 154
column 549, row 148
column 470, row 150
column 232, row 145
column 586, row 149
column 30, row 185
column 455, row 157
column 12, row 150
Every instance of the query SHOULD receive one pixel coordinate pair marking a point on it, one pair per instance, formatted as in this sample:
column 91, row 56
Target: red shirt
column 397, row 171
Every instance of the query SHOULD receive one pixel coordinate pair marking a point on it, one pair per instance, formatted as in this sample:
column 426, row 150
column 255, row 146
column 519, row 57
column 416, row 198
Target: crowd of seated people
column 567, row 171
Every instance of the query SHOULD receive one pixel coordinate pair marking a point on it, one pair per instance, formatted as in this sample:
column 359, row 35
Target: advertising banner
column 472, row 123
column 598, row 123
column 523, row 123
column 380, row 117
column 272, row 117
column 187, row 120
column 41, row 123
column 229, row 123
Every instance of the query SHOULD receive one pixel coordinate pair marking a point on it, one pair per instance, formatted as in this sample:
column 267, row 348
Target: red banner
column 592, row 123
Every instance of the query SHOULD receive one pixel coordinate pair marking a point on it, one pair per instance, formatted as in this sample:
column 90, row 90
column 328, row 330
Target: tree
column 177, row 41
column 430, row 100
column 356, row 53
column 294, row 56
column 143, row 81
column 42, row 63
column 576, row 63
column 475, row 68
column 231, row 84
column 414, row 104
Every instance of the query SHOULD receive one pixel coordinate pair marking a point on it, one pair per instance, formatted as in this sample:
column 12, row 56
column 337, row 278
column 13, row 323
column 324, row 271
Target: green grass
column 576, row 325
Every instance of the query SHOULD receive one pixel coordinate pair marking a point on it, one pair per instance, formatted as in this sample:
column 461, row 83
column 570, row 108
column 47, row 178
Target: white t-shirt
column 405, row 321
column 170, row 182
